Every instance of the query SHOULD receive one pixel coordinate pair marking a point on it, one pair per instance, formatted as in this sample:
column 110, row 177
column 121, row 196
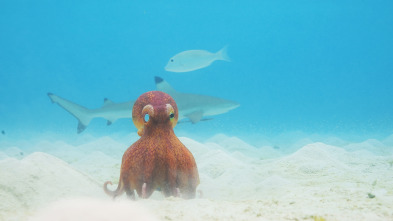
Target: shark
column 193, row 107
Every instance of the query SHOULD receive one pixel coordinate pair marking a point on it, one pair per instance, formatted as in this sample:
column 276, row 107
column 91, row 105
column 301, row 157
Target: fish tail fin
column 84, row 115
column 223, row 54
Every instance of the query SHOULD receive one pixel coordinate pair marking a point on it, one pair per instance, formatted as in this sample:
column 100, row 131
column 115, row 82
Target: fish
column 192, row 60
column 191, row 106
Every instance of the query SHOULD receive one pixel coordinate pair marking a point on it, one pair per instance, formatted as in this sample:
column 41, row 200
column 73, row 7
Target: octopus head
column 153, row 108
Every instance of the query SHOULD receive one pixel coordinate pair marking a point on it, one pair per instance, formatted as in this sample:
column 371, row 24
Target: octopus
column 158, row 160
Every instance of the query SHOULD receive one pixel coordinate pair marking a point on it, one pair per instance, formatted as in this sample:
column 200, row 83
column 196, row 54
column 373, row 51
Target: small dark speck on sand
column 370, row 195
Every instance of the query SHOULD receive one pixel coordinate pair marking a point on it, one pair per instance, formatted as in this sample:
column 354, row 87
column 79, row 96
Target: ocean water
column 311, row 77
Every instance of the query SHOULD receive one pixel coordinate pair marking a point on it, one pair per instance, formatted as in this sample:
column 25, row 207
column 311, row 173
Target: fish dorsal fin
column 195, row 117
column 107, row 102
column 164, row 86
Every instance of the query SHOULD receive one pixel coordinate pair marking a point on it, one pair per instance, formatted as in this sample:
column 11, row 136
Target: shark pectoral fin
column 195, row 117
column 81, row 127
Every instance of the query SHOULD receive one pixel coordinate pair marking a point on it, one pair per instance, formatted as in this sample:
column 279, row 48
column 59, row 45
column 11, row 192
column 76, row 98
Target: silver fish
column 194, row 59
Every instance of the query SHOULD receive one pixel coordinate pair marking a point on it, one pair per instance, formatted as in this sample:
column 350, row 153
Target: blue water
column 320, row 67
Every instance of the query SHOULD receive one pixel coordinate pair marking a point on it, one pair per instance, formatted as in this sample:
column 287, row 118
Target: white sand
column 93, row 210
column 239, row 182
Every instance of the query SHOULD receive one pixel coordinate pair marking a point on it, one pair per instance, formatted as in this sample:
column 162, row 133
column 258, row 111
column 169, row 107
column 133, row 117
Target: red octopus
column 158, row 160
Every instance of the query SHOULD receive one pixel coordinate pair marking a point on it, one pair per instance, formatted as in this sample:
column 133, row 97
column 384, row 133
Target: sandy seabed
column 313, row 181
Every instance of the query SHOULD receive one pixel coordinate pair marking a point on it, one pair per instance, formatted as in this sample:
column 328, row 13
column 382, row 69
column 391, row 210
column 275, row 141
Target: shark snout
column 230, row 105
column 235, row 105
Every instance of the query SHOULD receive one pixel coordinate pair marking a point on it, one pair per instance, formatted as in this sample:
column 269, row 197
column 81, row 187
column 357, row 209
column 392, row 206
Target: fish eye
column 172, row 115
column 172, row 60
column 146, row 118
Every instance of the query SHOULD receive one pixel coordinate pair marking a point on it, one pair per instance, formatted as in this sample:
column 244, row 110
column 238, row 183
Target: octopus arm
column 119, row 190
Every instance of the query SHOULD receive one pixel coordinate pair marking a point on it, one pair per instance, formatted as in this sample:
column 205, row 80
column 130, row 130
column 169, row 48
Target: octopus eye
column 172, row 115
column 146, row 118
column 172, row 60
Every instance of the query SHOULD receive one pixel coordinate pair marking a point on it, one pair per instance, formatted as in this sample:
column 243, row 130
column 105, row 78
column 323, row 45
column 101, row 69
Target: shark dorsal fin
column 107, row 102
column 164, row 86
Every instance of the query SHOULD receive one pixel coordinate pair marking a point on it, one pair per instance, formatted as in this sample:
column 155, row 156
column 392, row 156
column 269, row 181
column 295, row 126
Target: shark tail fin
column 164, row 86
column 223, row 54
column 84, row 115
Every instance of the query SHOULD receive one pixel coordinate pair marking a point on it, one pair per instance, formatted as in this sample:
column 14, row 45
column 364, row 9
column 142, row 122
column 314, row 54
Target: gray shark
column 192, row 106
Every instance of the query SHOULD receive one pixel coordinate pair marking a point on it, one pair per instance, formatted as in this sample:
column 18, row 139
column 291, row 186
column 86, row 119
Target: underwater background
column 314, row 67
column 312, row 138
